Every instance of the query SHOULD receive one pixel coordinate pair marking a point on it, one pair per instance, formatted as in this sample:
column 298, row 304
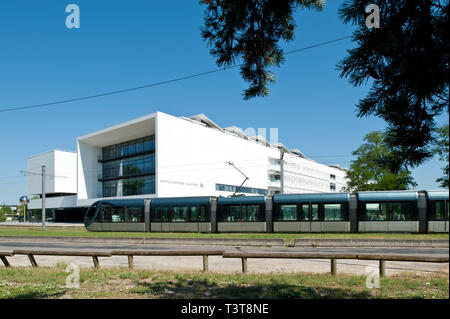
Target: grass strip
column 49, row 282
column 82, row 232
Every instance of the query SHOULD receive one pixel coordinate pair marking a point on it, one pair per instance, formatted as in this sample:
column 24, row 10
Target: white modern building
column 159, row 155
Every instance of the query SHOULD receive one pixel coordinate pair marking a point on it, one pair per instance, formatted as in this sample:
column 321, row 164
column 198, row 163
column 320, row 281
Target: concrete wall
column 60, row 168
column 191, row 159
column 54, row 202
column 88, row 172
column 89, row 151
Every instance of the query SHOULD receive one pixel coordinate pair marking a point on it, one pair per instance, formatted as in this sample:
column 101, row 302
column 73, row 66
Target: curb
column 304, row 242
column 428, row 243
column 167, row 241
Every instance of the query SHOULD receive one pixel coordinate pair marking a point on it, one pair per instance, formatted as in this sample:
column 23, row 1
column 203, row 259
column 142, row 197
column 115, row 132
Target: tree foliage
column 251, row 30
column 406, row 60
column 4, row 210
column 441, row 148
column 369, row 171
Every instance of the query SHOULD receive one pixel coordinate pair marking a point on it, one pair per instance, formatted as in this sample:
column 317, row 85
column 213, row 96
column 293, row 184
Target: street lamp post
column 24, row 201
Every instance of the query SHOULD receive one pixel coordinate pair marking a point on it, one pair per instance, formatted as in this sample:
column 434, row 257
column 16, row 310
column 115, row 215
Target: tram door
column 305, row 218
column 194, row 218
column 156, row 219
column 106, row 213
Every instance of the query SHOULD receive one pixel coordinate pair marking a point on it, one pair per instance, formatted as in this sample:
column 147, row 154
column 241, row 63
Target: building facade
column 160, row 155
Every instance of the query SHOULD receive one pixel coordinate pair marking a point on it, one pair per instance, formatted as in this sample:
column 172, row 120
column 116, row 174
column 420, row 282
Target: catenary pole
column 282, row 171
column 43, row 197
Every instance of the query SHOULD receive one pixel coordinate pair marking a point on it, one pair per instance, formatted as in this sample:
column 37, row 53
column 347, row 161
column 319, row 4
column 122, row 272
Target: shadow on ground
column 204, row 289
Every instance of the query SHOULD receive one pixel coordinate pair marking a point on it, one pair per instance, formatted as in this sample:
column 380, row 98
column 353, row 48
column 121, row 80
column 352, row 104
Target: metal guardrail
column 85, row 253
column 334, row 256
column 107, row 253
column 382, row 258
column 204, row 253
column 3, row 255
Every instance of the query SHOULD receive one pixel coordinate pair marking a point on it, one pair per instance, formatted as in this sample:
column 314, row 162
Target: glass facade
column 130, row 148
column 129, row 168
column 248, row 190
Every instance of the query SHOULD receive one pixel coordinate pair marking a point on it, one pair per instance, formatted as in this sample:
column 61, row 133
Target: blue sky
column 129, row 43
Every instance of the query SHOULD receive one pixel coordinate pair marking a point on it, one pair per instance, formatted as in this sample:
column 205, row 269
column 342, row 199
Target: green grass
column 49, row 282
column 82, row 232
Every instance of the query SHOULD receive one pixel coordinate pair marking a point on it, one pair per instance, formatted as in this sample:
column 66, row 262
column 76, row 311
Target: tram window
column 376, row 211
column 156, row 214
column 439, row 211
column 165, row 214
column 232, row 214
column 193, row 213
column 250, row 213
column 333, row 212
column 134, row 215
column 447, row 206
column 401, row 211
column 106, row 214
column 305, row 212
column 288, row 212
column 91, row 211
column 98, row 218
column 117, row 214
column 180, row 214
column 372, row 211
column 315, row 212
column 203, row 213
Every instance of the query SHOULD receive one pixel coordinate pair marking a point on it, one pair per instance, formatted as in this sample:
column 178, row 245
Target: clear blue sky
column 129, row 43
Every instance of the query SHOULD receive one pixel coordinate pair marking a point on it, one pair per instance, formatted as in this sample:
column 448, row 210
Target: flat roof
column 122, row 132
column 52, row 151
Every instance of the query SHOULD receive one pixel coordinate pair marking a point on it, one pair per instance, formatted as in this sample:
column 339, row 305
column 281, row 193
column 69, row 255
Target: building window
column 332, row 187
column 248, row 190
column 142, row 145
column 132, row 163
column 274, row 178
column 332, row 177
column 274, row 161
column 138, row 185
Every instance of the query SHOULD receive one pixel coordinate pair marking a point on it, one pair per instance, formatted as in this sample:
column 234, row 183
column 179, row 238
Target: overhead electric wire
column 156, row 83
